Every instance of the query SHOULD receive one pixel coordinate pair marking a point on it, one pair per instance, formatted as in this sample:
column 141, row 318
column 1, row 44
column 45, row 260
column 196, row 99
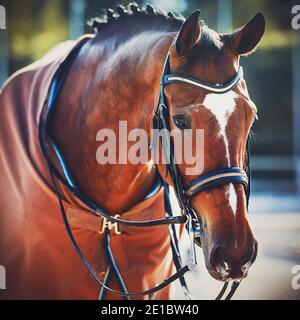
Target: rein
column 161, row 120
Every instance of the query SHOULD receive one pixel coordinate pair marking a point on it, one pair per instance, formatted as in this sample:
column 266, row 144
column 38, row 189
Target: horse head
column 227, row 239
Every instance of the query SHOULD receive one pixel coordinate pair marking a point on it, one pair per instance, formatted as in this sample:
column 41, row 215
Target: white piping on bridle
column 217, row 88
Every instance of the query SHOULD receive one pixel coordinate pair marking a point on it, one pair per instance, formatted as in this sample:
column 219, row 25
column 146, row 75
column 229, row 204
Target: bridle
column 161, row 120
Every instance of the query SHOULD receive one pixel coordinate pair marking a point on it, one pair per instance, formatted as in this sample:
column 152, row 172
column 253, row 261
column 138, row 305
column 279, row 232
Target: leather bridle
column 161, row 120
column 220, row 176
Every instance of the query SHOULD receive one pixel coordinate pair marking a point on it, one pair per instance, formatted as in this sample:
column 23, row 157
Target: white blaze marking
column 222, row 106
column 232, row 198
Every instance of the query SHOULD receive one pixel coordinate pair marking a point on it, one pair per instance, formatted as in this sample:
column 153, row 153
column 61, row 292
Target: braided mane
column 111, row 16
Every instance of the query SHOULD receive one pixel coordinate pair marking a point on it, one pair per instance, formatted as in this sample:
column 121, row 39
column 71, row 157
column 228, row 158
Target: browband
column 214, row 88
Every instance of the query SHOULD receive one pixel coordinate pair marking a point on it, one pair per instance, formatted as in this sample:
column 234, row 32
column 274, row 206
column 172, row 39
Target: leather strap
column 217, row 177
column 215, row 88
column 162, row 285
column 232, row 291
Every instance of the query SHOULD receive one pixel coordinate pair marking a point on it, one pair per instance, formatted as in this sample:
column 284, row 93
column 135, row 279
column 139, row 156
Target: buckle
column 162, row 108
column 109, row 225
column 192, row 261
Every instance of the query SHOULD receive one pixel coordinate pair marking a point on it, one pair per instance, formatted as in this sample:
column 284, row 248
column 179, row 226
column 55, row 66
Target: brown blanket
column 39, row 259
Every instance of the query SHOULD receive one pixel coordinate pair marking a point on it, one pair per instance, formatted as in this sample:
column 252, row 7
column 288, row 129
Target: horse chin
column 224, row 277
column 218, row 276
column 221, row 275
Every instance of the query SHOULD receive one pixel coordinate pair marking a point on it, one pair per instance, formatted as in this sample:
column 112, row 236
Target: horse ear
column 245, row 40
column 189, row 34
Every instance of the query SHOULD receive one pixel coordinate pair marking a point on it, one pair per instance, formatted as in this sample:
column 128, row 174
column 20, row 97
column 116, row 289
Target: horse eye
column 182, row 121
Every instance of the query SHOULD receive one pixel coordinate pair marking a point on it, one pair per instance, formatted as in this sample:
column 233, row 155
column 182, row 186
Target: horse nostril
column 218, row 262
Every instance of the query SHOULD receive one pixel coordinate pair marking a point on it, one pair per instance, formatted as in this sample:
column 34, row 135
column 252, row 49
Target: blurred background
column 273, row 78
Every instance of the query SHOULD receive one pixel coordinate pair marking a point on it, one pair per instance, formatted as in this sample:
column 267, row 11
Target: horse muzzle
column 225, row 263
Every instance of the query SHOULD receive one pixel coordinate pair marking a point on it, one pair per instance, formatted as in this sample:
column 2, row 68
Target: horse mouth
column 219, row 276
column 225, row 276
column 224, row 273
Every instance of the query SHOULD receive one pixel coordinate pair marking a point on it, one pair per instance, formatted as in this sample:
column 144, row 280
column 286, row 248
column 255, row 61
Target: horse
column 115, row 75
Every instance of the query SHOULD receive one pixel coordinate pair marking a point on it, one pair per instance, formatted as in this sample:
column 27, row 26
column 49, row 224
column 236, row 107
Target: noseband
column 161, row 120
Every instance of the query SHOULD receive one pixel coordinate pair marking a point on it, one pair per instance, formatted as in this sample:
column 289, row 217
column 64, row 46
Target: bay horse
column 115, row 75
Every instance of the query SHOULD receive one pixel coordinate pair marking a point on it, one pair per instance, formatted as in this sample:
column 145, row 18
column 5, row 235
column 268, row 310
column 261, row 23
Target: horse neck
column 108, row 83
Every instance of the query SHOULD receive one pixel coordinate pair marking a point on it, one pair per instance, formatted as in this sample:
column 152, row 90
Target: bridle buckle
column 192, row 261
